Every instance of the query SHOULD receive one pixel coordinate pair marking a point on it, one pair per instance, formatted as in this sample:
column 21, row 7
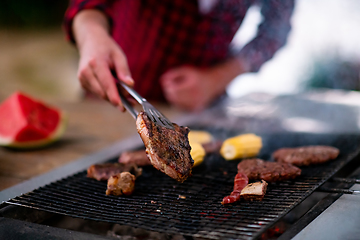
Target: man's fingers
column 122, row 69
column 89, row 82
column 106, row 80
column 173, row 73
column 176, row 78
column 127, row 96
column 171, row 79
column 127, row 79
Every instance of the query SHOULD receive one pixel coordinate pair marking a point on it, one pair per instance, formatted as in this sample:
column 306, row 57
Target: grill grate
column 156, row 205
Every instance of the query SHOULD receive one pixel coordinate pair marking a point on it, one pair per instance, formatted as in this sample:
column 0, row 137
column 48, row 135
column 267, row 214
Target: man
column 170, row 50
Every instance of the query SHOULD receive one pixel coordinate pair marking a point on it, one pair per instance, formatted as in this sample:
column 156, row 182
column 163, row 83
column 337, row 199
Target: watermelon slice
column 29, row 123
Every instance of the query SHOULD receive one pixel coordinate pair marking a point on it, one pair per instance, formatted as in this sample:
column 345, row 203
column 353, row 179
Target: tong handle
column 154, row 114
column 125, row 102
column 338, row 190
column 133, row 93
column 346, row 180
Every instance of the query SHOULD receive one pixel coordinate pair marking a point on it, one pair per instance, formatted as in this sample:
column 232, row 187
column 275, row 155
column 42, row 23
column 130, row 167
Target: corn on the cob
column 242, row 146
column 199, row 137
column 197, row 153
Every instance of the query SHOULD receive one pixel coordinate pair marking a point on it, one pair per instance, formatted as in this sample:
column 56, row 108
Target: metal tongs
column 154, row 115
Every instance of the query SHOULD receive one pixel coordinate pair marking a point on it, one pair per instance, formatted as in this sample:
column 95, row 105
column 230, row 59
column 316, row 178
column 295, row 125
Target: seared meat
column 240, row 181
column 105, row 170
column 307, row 155
column 254, row 191
column 167, row 149
column 121, row 184
column 138, row 157
column 212, row 147
column 257, row 169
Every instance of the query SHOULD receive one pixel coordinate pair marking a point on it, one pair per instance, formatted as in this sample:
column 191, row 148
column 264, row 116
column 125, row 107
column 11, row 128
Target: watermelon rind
column 59, row 131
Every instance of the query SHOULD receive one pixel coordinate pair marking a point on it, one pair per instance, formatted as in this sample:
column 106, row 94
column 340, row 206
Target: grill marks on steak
column 307, row 155
column 167, row 149
column 140, row 158
column 257, row 169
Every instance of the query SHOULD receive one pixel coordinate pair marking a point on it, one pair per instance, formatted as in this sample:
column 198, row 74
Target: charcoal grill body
column 156, row 205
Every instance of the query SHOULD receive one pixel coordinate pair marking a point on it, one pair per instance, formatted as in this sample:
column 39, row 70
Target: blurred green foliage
column 32, row 13
column 336, row 73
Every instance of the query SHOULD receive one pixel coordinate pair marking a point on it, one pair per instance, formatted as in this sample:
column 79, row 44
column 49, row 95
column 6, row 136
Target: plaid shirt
column 157, row 35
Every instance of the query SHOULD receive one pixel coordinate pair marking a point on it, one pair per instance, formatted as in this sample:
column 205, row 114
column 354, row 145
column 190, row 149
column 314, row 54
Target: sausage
column 240, row 181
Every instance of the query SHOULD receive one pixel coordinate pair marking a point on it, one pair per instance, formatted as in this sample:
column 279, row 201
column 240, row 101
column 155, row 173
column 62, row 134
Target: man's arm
column 88, row 23
column 99, row 55
column 76, row 6
column 194, row 89
column 271, row 35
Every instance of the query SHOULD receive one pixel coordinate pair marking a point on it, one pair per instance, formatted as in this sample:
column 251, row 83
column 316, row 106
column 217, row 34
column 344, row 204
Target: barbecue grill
column 193, row 209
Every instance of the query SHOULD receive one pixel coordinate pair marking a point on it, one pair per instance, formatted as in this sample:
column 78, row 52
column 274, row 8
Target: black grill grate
column 156, row 204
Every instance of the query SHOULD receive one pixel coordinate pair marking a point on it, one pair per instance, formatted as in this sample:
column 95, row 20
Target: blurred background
column 322, row 51
column 34, row 55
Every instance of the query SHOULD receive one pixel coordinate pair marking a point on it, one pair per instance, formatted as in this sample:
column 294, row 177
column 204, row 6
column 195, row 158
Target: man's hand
column 99, row 54
column 193, row 89
column 189, row 88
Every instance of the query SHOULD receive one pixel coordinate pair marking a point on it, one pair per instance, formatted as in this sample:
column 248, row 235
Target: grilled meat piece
column 167, row 149
column 254, row 191
column 257, row 169
column 138, row 157
column 240, row 181
column 307, row 155
column 212, row 147
column 105, row 170
column 121, row 184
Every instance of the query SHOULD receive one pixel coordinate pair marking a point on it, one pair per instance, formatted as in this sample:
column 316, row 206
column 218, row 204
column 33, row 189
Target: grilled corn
column 197, row 153
column 199, row 137
column 242, row 146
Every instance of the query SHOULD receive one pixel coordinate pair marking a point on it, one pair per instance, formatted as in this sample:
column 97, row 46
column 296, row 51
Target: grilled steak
column 254, row 191
column 121, row 184
column 106, row 170
column 307, row 155
column 167, row 149
column 240, row 181
column 257, row 169
column 138, row 157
